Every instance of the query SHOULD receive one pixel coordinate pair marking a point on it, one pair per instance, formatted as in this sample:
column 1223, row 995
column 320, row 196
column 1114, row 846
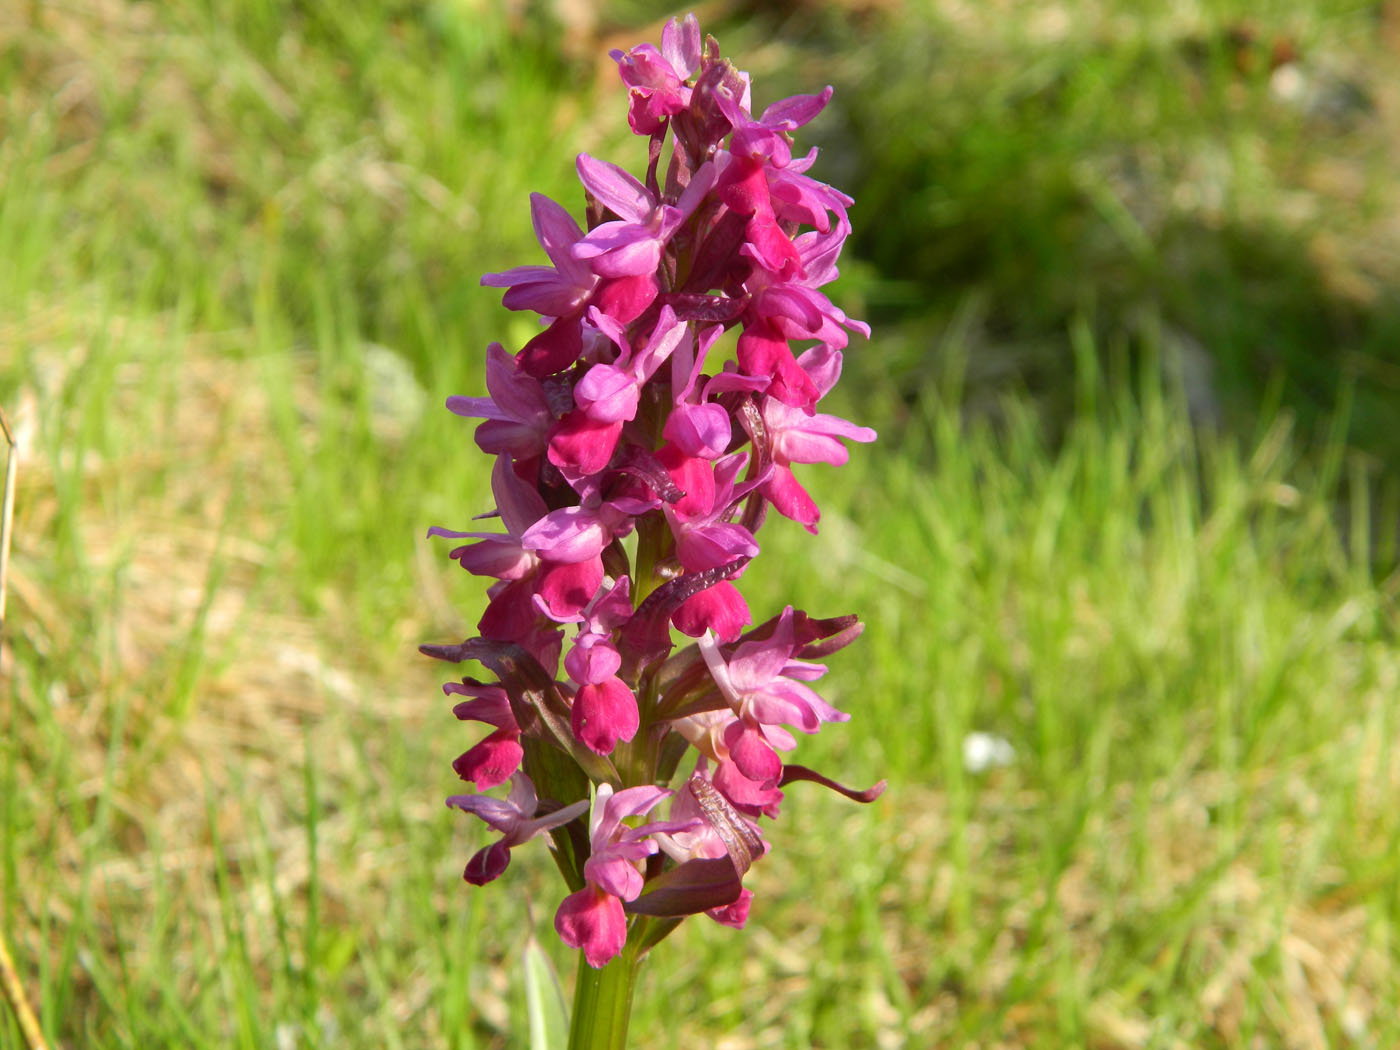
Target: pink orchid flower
column 492, row 761
column 604, row 710
column 704, row 538
column 783, row 310
column 592, row 919
column 764, row 688
column 563, row 292
column 703, row 841
column 656, row 79
column 705, row 731
column 516, row 412
column 502, row 556
column 608, row 393
column 631, row 245
column 514, row 817
column 698, row 426
column 797, row 436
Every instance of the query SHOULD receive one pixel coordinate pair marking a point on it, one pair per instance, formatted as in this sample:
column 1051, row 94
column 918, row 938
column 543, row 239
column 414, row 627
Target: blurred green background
column 1127, row 548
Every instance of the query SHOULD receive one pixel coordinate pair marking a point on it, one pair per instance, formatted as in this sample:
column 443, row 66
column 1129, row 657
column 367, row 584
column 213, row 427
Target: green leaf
column 544, row 1001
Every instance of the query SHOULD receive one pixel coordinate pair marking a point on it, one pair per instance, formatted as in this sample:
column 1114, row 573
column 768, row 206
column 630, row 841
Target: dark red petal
column 870, row 794
column 487, row 864
column 510, row 617
column 554, row 349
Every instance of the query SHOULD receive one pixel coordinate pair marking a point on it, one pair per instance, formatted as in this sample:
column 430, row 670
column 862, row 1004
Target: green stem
column 649, row 541
column 603, row 1003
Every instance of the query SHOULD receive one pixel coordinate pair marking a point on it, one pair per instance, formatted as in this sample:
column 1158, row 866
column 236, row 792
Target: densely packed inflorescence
column 608, row 426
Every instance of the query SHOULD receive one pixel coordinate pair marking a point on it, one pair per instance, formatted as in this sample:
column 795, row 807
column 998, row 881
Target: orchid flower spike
column 687, row 333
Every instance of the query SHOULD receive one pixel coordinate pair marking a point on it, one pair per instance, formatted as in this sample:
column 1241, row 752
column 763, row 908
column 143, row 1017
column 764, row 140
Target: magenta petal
column 614, row 872
column 770, row 247
column 594, row 921
column 698, row 430
column 736, row 914
column 743, row 187
column 549, row 298
column 645, row 67
column 454, row 534
column 695, row 192
column 607, row 394
column 625, row 299
column 472, row 407
column 567, row 588
column 612, row 237
column 680, row 45
column 498, row 813
column 668, row 335
column 511, row 615
column 747, row 796
column 519, row 397
column 713, row 545
column 633, row 257
column 771, row 708
column 693, row 476
column 603, row 714
column 762, row 351
column 629, row 802
column 502, row 558
column 521, row 440
column 751, row 753
column 647, row 112
column 615, row 188
column 820, row 442
column 581, row 446
column 519, row 275
column 492, row 761
column 490, row 704
column 520, row 504
column 761, row 144
column 720, row 608
column 800, row 305
column 791, row 499
column 755, row 665
column 554, row 349
column 557, row 232
column 592, row 659
column 811, row 710
column 487, row 864
column 789, row 114
column 568, row 535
